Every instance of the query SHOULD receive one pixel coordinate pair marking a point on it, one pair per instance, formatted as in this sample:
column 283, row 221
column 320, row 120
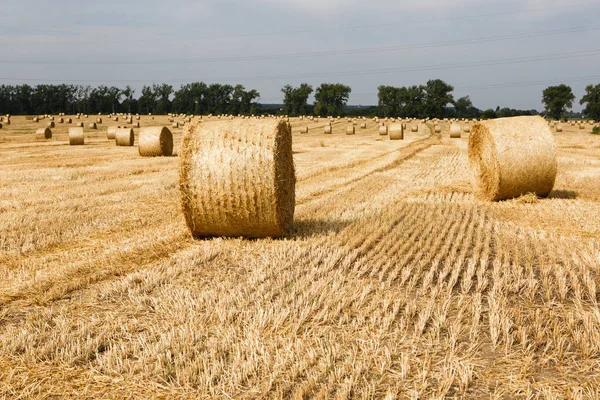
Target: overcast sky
column 498, row 52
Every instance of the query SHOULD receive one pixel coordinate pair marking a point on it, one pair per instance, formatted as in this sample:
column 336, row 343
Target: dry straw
column 43, row 133
column 455, row 131
column 111, row 132
column 383, row 130
column 175, row 125
column 559, row 128
column 363, row 126
column 124, row 137
column 51, row 124
column 237, row 178
column 76, row 137
column 327, row 130
column 79, row 124
column 467, row 128
column 396, row 132
column 510, row 157
column 350, row 130
column 92, row 125
column 437, row 129
column 304, row 129
column 98, row 120
column 155, row 141
column 414, row 128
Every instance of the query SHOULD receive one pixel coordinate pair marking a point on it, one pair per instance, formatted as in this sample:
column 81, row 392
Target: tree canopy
column 557, row 99
column 330, row 99
column 592, row 101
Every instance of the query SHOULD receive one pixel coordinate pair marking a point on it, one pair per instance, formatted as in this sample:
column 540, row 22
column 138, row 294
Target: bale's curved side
column 124, row 137
column 455, row 131
column 237, row 178
column 437, row 129
column 414, row 128
column 510, row 157
column 383, row 130
column 43, row 133
column 327, row 130
column 111, row 132
column 76, row 137
column 350, row 130
column 155, row 141
column 396, row 132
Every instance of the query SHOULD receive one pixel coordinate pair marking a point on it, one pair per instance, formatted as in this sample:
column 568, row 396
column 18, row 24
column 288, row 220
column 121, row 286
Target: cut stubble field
column 396, row 281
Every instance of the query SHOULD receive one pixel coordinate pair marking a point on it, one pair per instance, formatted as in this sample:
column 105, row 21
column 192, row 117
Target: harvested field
column 395, row 283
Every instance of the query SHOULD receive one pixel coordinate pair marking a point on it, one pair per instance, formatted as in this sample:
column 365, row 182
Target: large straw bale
column 383, row 130
column 111, row 132
column 327, row 130
column 350, row 130
column 43, row 133
column 455, row 131
column 76, row 137
column 155, row 141
column 124, row 137
column 510, row 157
column 396, row 132
column 237, row 178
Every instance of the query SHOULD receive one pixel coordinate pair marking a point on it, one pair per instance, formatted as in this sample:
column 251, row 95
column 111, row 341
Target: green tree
column 412, row 101
column 465, row 109
column 162, row 95
column 295, row 100
column 557, row 99
column 389, row 101
column 330, row 99
column 489, row 114
column 128, row 101
column 438, row 94
column 592, row 98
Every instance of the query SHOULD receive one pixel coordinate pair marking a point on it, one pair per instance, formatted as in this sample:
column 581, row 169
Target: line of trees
column 434, row 100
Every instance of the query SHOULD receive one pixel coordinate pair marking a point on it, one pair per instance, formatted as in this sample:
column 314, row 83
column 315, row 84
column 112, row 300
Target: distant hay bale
column 98, row 120
column 115, row 118
column 383, row 130
column 175, row 125
column 363, row 126
column 111, row 132
column 76, row 137
column 559, row 128
column 36, row 119
column 304, row 129
column 437, row 128
column 327, row 130
column 51, row 118
column 68, row 121
column 51, row 124
column 43, row 133
column 581, row 126
column 414, row 128
column 237, row 178
column 124, row 137
column 6, row 121
column 466, row 128
column 455, row 131
column 137, row 117
column 350, row 130
column 510, row 157
column 92, row 125
column 61, row 120
column 136, row 124
column 79, row 124
column 155, row 141
column 396, row 132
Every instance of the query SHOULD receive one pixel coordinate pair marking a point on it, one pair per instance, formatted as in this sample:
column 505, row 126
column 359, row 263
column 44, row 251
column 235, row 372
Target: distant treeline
column 432, row 100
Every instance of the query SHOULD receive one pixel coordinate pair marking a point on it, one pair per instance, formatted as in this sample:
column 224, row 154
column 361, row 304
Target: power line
column 319, row 53
column 431, row 67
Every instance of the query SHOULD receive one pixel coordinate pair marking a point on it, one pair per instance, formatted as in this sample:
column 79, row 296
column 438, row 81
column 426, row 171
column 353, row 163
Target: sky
column 500, row 53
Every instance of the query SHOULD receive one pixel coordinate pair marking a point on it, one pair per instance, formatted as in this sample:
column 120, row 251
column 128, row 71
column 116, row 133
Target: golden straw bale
column 327, row 129
column 155, row 141
column 43, row 133
column 383, row 130
column 51, row 124
column 304, row 129
column 350, row 130
column 111, row 132
column 61, row 120
column 559, row 128
column 455, row 131
column 76, row 137
column 414, row 128
column 175, row 125
column 68, row 121
column 467, row 128
column 437, row 128
column 363, row 126
column 237, row 178
column 36, row 119
column 396, row 132
column 124, row 137
column 98, row 120
column 136, row 124
column 79, row 124
column 510, row 157
column 92, row 125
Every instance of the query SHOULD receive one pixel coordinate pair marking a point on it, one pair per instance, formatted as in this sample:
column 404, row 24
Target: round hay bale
column 61, row 120
column 383, row 130
column 414, row 128
column 437, row 129
column 36, row 119
column 76, row 137
column 111, row 132
column 559, row 128
column 327, row 130
column 137, row 117
column 581, row 126
column 0, row 126
column 115, row 118
column 43, row 133
column 455, row 131
column 136, row 124
column 175, row 125
column 155, row 141
column 92, row 125
column 51, row 118
column 304, row 129
column 350, row 130
column 396, row 132
column 466, row 128
column 510, row 157
column 363, row 126
column 79, row 124
column 237, row 178
column 124, row 137
column 98, row 120
column 51, row 124
column 6, row 121
column 68, row 121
